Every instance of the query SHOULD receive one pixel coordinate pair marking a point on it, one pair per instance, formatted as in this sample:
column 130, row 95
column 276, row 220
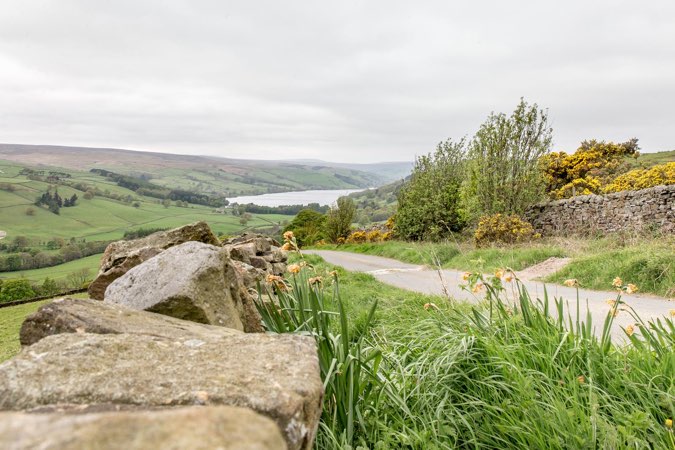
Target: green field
column 60, row 272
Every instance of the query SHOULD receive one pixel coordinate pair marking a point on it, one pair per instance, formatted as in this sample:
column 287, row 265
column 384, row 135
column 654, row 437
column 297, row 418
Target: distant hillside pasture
column 209, row 175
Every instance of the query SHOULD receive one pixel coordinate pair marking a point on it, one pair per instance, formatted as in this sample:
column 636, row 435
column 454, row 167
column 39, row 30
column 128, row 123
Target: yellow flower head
column 631, row 288
column 333, row 273
column 669, row 424
column 611, row 302
column 630, row 330
column 427, row 306
column 572, row 282
column 288, row 235
column 617, row 283
column 499, row 273
column 581, row 379
column 315, row 280
column 274, row 278
column 294, row 268
column 466, row 275
column 477, row 288
column 287, row 246
column 509, row 276
column 672, row 313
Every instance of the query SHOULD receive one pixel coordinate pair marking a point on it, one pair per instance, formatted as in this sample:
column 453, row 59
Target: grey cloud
column 344, row 81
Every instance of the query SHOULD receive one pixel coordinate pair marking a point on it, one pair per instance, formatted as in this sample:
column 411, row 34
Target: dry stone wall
column 652, row 208
column 173, row 357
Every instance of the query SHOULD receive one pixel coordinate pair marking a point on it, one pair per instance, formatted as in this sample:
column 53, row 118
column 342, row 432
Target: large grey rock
column 219, row 427
column 275, row 375
column 191, row 281
column 70, row 315
column 121, row 256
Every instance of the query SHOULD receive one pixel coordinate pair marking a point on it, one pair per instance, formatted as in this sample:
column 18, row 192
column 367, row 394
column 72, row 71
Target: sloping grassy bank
column 441, row 376
column 649, row 263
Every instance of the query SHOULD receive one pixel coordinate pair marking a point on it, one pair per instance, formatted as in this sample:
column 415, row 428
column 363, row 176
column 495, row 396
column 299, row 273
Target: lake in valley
column 322, row 197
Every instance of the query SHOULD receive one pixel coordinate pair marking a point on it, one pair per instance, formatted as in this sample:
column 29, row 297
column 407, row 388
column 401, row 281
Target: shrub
column 307, row 226
column 643, row 178
column 16, row 289
column 428, row 203
column 503, row 229
column 339, row 219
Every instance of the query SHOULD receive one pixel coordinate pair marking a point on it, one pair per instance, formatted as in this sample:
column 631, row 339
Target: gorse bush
column 662, row 174
column 593, row 165
column 504, row 229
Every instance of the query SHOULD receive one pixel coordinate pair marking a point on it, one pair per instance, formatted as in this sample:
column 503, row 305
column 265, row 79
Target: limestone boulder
column 221, row 427
column 274, row 375
column 191, row 281
column 119, row 257
column 70, row 315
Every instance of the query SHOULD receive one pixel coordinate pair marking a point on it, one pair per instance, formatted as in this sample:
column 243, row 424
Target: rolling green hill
column 206, row 174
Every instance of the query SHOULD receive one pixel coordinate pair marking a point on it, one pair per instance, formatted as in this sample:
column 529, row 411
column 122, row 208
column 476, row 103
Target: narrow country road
column 429, row 281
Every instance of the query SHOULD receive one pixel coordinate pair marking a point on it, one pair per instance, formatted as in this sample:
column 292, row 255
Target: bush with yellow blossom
column 593, row 165
column 662, row 174
column 503, row 229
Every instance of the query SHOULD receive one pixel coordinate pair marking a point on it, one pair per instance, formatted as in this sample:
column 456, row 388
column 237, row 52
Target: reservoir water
column 322, row 197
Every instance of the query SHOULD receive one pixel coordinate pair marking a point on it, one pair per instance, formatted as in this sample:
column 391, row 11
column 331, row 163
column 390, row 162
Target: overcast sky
column 356, row 81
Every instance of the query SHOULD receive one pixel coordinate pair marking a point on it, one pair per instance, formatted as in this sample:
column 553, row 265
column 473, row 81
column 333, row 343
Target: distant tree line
column 288, row 210
column 143, row 187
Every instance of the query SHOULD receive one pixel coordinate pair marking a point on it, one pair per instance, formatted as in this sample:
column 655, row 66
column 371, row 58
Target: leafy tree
column 30, row 211
column 429, row 203
column 504, row 175
column 339, row 219
column 308, row 227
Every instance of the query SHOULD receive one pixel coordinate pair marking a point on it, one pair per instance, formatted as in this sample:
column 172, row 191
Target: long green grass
column 497, row 375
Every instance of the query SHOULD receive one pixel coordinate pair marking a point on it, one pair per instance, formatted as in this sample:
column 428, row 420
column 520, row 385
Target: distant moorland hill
column 208, row 174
